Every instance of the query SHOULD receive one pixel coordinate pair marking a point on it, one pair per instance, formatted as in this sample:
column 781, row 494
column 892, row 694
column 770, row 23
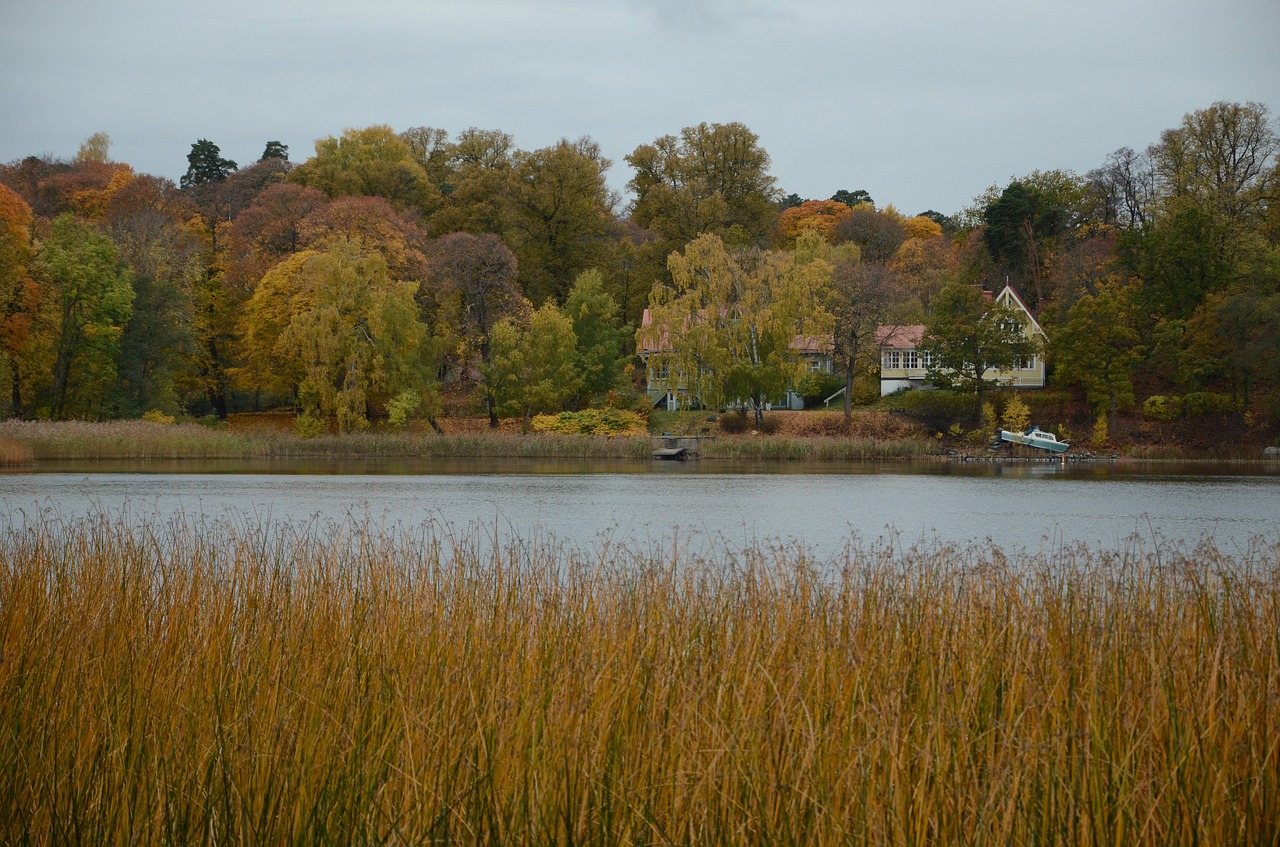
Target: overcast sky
column 923, row 104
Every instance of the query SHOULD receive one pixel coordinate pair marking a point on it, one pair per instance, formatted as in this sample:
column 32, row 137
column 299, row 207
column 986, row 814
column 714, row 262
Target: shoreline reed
column 76, row 440
column 353, row 683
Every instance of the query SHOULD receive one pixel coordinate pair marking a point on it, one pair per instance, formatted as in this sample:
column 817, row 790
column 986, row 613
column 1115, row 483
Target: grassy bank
column 73, row 440
column 318, row 684
column 140, row 440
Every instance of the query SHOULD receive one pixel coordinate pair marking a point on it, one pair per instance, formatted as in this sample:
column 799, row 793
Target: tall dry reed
column 219, row 683
column 81, row 440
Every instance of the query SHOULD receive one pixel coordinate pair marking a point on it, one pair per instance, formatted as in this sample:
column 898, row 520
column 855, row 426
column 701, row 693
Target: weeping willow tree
column 732, row 326
column 340, row 332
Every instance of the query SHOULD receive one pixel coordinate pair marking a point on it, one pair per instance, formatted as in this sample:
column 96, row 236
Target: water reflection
column 1028, row 506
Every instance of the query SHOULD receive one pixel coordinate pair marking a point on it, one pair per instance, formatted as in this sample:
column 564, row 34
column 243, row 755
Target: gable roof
column 1006, row 295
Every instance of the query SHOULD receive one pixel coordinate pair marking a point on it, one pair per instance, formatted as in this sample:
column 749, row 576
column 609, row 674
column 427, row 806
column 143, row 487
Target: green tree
column 600, row 339
column 475, row 177
column 1180, row 258
column 560, row 215
column 275, row 150
column 533, row 369
column 1236, row 336
column 94, row 300
column 1099, row 348
column 967, row 338
column 713, row 179
column 729, row 322
column 205, row 165
column 158, row 348
column 433, row 151
column 1224, row 157
column 1021, row 228
column 853, row 198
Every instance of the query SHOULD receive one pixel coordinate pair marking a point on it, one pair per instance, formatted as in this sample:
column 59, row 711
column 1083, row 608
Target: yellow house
column 904, row 366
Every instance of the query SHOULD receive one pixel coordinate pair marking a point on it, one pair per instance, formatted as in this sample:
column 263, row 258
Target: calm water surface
column 1025, row 506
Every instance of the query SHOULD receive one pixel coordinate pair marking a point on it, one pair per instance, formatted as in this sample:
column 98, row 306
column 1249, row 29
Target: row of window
column 916, row 359
column 908, row 359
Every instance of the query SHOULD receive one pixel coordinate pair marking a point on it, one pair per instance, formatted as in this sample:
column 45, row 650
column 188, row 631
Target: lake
column 1034, row 506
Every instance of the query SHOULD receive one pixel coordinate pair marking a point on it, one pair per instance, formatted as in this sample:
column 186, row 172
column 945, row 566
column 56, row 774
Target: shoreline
column 25, row 443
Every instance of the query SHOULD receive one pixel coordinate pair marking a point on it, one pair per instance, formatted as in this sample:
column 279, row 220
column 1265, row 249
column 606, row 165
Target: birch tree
column 729, row 324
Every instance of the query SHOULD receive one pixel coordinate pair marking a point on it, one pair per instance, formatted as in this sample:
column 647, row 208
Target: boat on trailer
column 1035, row 437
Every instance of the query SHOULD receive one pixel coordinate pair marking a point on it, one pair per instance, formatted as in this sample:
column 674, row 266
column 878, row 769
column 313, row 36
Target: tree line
column 352, row 285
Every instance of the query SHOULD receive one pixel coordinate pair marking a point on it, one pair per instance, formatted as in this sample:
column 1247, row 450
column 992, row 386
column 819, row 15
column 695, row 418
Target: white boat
column 1035, row 437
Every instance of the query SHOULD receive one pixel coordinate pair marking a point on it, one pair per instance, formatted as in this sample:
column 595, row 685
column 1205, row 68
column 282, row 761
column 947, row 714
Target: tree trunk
column 215, row 385
column 15, row 382
column 981, row 387
column 848, row 398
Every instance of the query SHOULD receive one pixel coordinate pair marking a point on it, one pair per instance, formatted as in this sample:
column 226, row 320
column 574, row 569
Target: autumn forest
column 390, row 268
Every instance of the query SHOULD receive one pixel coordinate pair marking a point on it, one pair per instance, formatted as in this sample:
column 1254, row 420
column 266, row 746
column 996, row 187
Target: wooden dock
column 678, row 447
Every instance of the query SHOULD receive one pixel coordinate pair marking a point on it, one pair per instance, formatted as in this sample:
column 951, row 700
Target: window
column 926, row 359
column 1026, row 364
column 892, row 360
column 910, row 360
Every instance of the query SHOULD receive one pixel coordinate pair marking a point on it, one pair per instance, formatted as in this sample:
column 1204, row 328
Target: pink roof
column 648, row 346
column 900, row 337
column 812, row 343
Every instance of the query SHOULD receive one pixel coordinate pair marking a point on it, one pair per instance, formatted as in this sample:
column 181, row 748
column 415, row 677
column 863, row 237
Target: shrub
column 739, row 421
column 937, row 409
column 307, row 425
column 156, row 416
column 1100, row 430
column 1158, row 407
column 608, row 421
column 1200, row 403
column 816, row 386
column 1017, row 415
column 403, row 408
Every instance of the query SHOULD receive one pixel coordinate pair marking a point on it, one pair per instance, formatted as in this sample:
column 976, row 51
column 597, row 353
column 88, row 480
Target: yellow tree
column 374, row 162
column 729, row 322
column 335, row 327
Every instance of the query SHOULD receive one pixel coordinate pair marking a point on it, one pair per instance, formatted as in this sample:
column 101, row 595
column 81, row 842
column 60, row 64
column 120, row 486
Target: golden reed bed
column 188, row 683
